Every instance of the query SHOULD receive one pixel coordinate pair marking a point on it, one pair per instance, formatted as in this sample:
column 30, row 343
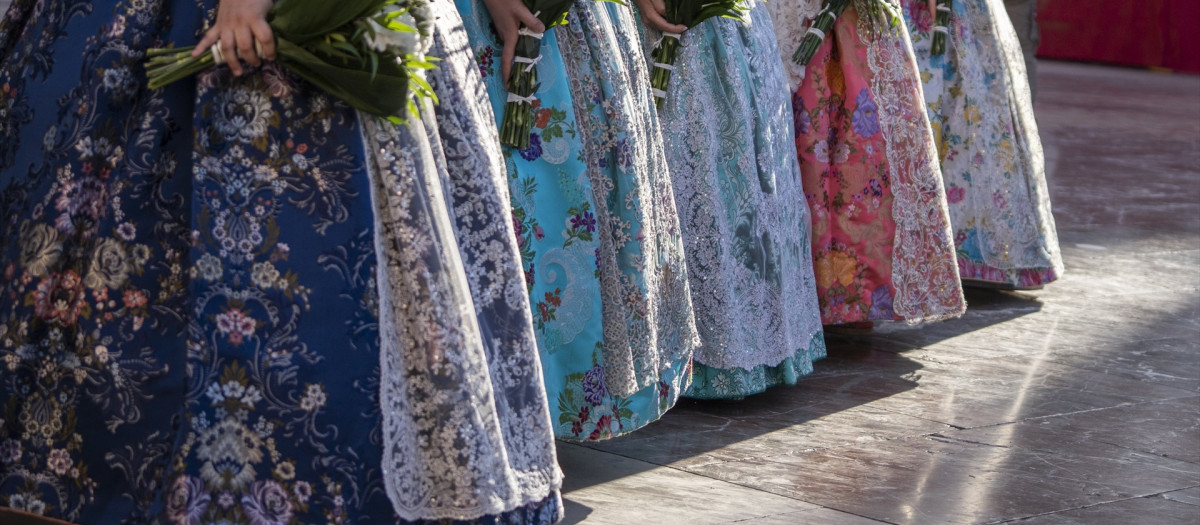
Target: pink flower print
column 59, row 297
column 955, row 194
column 133, row 299
column 236, row 324
column 999, row 200
column 921, row 17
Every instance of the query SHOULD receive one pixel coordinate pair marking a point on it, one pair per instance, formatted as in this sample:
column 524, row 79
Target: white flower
column 821, row 152
column 208, row 267
column 110, row 266
column 313, row 399
column 379, row 38
column 242, row 114
column 264, row 275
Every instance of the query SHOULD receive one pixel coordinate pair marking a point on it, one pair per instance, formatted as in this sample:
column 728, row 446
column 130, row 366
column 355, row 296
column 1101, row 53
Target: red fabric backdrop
column 1160, row 33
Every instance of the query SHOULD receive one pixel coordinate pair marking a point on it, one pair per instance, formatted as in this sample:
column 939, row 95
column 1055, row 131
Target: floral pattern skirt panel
column 190, row 330
column 881, row 241
column 992, row 162
column 555, row 186
column 737, row 182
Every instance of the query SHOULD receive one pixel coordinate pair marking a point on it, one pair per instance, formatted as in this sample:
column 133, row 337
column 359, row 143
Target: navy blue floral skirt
column 188, row 318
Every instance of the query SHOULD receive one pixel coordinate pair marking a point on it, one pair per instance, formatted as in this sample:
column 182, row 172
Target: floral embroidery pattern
column 991, row 156
column 737, row 187
column 188, row 294
column 572, row 227
column 878, row 241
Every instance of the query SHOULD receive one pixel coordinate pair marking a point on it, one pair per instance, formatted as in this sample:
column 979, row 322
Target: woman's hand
column 509, row 16
column 654, row 14
column 240, row 23
column 933, row 8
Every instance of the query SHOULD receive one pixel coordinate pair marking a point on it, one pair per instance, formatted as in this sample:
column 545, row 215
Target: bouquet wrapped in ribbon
column 368, row 53
column 820, row 26
column 941, row 27
column 823, row 23
column 517, row 122
column 687, row 13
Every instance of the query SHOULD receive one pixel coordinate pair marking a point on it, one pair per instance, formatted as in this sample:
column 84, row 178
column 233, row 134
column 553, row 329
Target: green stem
column 165, row 75
column 666, row 53
column 824, row 23
column 942, row 19
column 162, row 51
column 517, row 122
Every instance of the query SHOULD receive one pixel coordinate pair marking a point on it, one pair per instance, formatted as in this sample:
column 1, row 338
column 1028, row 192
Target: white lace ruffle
column 1022, row 233
column 737, row 181
column 647, row 311
column 466, row 425
column 924, row 265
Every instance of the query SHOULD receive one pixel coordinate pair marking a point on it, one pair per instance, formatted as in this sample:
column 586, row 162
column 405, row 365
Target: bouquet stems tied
column 517, row 122
column 687, row 13
column 941, row 27
column 881, row 12
column 666, row 52
column 821, row 25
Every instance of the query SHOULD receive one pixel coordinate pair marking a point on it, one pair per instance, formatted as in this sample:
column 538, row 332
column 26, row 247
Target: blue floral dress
column 192, row 327
column 596, row 224
column 737, row 184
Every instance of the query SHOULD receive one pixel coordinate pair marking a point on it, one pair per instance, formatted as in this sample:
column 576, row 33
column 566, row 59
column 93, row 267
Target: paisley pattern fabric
column 595, row 221
column 881, row 237
column 737, row 183
column 191, row 329
column 987, row 137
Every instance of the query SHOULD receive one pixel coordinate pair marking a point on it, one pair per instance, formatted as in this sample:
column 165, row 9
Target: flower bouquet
column 941, row 27
column 517, row 122
column 368, row 53
column 687, row 13
column 823, row 23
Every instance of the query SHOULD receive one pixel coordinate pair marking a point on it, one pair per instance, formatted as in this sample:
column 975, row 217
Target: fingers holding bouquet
column 510, row 16
column 241, row 34
column 654, row 14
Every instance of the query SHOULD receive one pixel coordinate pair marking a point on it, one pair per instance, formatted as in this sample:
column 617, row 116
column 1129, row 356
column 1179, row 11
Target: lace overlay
column 791, row 19
column 646, row 308
column 737, row 181
column 992, row 159
column 466, row 427
column 924, row 268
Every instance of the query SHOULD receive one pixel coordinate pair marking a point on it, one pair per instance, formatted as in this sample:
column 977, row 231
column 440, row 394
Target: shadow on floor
column 696, row 432
column 795, row 419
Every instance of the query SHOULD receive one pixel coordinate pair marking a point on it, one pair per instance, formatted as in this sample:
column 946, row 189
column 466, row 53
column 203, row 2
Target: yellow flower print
column 942, row 147
column 836, row 267
column 972, row 114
